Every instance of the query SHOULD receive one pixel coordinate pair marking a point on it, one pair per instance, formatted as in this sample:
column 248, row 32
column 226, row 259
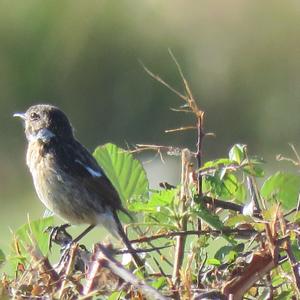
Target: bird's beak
column 20, row 115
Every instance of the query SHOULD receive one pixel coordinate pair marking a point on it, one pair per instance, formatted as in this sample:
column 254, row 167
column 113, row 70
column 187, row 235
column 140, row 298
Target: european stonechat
column 66, row 177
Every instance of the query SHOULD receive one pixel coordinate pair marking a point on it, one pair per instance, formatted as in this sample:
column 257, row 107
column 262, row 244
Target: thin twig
column 235, row 231
column 160, row 80
column 121, row 252
column 180, row 129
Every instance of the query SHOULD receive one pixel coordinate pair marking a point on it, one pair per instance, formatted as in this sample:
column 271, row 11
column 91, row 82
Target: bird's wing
column 78, row 161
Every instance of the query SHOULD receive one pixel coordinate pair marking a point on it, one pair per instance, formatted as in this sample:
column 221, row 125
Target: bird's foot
column 59, row 235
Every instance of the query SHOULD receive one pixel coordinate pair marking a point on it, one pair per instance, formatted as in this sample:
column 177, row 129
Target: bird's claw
column 59, row 235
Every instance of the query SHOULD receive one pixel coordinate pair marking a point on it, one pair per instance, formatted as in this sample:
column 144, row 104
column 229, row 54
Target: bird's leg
column 58, row 235
column 67, row 247
column 81, row 235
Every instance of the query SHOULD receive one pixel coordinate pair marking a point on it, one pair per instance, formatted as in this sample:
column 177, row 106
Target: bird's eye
column 34, row 116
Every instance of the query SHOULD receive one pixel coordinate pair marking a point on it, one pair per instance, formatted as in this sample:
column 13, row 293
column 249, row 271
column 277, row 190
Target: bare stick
column 104, row 257
column 184, row 196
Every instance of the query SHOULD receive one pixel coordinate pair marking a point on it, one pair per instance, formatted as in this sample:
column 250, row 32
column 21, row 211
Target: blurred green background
column 242, row 59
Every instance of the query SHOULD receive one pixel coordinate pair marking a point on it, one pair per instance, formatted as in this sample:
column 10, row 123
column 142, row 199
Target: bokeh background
column 242, row 59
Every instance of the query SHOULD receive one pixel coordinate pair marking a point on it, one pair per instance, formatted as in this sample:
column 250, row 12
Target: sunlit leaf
column 238, row 220
column 236, row 153
column 124, row 171
column 213, row 262
column 33, row 232
column 159, row 283
column 156, row 202
column 222, row 162
column 254, row 170
column 283, row 187
column 270, row 213
column 228, row 188
column 37, row 229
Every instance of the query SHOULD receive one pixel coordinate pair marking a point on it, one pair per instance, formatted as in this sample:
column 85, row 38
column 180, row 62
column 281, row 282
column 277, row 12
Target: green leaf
column 284, row 187
column 37, row 229
column 2, row 257
column 116, row 295
column 227, row 253
column 213, row 262
column 159, row 283
column 285, row 295
column 28, row 233
column 126, row 173
column 158, row 209
column 295, row 249
column 226, row 188
column 296, row 217
column 222, row 162
column 254, row 170
column 211, row 219
column 158, row 201
column 236, row 153
column 238, row 220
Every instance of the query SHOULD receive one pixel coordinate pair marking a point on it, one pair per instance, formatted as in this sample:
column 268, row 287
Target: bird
column 67, row 178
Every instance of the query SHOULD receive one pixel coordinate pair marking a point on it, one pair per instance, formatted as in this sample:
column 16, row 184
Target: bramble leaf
column 37, row 229
column 124, row 171
column 283, row 187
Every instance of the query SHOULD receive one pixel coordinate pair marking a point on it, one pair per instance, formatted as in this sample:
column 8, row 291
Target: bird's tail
column 137, row 260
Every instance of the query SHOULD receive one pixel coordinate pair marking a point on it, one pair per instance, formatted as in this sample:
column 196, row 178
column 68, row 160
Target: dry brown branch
column 184, row 198
column 103, row 258
column 70, row 267
column 180, row 129
column 262, row 263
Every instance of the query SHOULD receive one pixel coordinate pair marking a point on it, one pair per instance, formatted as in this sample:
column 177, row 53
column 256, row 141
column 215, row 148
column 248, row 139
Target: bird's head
column 44, row 122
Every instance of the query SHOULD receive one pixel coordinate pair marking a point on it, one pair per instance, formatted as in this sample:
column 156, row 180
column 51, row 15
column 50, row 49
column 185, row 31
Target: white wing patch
column 90, row 170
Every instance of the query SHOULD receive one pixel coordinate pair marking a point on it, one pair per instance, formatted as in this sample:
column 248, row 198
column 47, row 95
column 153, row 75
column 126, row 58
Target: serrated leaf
column 236, row 153
column 37, row 229
column 283, row 187
column 158, row 200
column 33, row 232
column 124, row 171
